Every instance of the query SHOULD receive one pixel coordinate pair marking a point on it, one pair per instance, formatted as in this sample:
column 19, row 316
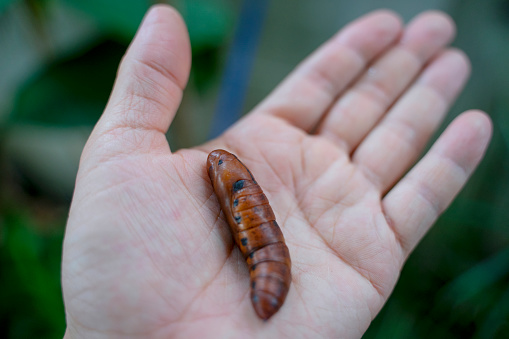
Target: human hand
column 146, row 251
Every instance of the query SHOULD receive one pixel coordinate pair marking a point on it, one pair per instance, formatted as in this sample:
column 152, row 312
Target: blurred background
column 58, row 60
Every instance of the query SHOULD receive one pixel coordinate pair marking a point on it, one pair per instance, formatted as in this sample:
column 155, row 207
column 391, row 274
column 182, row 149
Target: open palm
column 147, row 252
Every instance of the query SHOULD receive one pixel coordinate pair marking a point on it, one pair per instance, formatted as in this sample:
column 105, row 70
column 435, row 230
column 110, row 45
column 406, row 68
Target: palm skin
column 147, row 252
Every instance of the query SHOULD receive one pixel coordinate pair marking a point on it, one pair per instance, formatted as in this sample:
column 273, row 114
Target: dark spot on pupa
column 253, row 267
column 243, row 241
column 220, row 161
column 274, row 302
column 235, row 202
column 253, row 284
column 238, row 219
column 238, row 185
column 251, row 255
column 255, row 298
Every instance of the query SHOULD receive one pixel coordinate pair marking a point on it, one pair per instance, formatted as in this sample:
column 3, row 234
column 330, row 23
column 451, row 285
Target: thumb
column 148, row 89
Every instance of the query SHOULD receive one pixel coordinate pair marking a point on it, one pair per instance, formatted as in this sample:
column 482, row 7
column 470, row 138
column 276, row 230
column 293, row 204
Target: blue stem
column 239, row 64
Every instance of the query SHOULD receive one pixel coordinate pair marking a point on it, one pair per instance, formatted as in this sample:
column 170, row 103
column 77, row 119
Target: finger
column 362, row 106
column 307, row 93
column 149, row 84
column 414, row 204
column 391, row 148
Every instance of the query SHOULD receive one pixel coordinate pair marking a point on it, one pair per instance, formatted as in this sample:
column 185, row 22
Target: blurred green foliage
column 79, row 83
column 30, row 298
column 456, row 283
column 208, row 22
column 118, row 17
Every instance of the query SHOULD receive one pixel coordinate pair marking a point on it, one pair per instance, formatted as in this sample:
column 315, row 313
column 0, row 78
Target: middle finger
column 360, row 108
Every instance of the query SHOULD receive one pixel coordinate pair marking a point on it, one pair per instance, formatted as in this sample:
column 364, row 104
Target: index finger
column 308, row 91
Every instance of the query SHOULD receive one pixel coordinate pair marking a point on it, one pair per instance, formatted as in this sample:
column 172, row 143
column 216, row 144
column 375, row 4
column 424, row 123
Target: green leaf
column 496, row 322
column 31, row 300
column 208, row 22
column 71, row 91
column 477, row 279
column 4, row 4
column 501, row 119
column 119, row 17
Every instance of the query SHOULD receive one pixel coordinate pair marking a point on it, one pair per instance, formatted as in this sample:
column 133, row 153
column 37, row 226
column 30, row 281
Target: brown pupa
column 254, row 229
